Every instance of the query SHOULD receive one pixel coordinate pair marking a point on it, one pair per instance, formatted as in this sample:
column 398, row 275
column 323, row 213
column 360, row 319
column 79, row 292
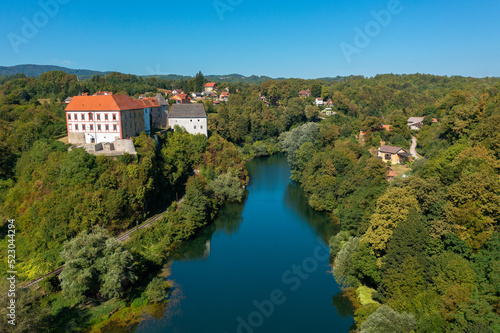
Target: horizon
column 278, row 39
column 251, row 75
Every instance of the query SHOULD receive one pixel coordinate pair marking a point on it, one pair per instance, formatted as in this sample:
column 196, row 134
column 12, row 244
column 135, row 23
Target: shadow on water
column 296, row 200
column 228, row 222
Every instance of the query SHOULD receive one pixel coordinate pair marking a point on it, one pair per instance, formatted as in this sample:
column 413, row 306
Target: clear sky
column 307, row 39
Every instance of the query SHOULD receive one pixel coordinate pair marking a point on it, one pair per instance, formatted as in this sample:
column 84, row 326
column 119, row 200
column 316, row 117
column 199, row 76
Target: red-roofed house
column 104, row 118
column 210, row 86
column 305, row 93
column 181, row 99
column 224, row 97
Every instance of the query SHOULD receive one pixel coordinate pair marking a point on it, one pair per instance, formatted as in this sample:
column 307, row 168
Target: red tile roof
column 210, row 84
column 103, row 103
column 149, row 102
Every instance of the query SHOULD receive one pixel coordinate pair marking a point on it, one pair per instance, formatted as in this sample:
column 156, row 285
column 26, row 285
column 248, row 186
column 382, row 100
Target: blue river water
column 263, row 266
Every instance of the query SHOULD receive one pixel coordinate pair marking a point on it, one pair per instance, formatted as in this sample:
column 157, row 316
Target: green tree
column 95, row 263
column 386, row 320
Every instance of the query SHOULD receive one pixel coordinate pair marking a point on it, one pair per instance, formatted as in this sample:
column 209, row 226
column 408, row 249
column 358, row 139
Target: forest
column 420, row 253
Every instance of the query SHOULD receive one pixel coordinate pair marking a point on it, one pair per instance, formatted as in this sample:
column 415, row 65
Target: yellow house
column 395, row 155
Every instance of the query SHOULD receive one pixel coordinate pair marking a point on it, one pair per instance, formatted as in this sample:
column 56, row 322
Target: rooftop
column 187, row 111
column 103, row 103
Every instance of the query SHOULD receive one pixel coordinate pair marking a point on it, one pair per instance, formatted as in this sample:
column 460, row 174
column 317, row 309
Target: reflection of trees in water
column 343, row 305
column 295, row 199
column 165, row 313
column 228, row 221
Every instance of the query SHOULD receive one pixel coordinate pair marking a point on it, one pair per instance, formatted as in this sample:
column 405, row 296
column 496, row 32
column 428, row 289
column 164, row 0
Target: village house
column 210, row 87
column 177, row 92
column 224, row 97
column 319, row 101
column 190, row 116
column 395, row 155
column 181, row 99
column 329, row 103
column 415, row 123
column 104, row 118
column 305, row 93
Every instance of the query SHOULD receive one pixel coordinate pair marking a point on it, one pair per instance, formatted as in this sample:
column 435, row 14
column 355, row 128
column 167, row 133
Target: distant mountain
column 37, row 70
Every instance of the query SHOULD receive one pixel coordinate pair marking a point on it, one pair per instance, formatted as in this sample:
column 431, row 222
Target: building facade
column 104, row 118
column 192, row 117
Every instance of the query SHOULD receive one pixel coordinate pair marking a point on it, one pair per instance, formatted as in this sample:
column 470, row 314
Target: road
column 413, row 150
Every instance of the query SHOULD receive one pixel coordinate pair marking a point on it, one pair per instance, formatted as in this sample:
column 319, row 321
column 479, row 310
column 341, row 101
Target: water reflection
column 295, row 199
column 228, row 222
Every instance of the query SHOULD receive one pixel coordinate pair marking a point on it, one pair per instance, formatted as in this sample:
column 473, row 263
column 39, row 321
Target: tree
column 226, row 187
column 392, row 208
column 156, row 290
column 343, row 271
column 386, row 320
column 95, row 263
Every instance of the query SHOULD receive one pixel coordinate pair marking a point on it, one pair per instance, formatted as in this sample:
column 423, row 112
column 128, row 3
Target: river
column 263, row 266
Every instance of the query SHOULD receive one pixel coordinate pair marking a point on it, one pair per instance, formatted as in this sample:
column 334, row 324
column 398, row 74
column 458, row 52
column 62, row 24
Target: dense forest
column 418, row 253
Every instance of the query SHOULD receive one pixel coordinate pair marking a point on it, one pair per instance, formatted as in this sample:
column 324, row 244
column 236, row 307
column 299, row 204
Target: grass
column 69, row 318
column 365, row 295
column 400, row 169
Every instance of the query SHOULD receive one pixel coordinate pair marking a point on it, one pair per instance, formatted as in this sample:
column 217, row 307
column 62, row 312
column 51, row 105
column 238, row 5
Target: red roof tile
column 103, row 103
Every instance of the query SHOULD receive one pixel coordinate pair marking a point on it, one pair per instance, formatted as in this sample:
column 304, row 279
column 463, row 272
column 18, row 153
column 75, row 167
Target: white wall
column 192, row 125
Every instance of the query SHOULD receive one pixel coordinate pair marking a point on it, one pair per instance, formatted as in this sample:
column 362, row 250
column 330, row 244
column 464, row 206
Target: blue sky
column 278, row 38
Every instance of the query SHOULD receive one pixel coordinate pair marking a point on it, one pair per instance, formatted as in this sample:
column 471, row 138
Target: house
column 163, row 110
column 177, row 92
column 216, row 102
column 395, row 155
column 224, row 97
column 103, row 93
column 387, row 128
column 415, row 123
column 305, row 93
column 157, row 113
column 190, row 116
column 210, row 87
column 319, row 101
column 67, row 100
column 197, row 95
column 181, row 99
column 263, row 98
column 104, row 118
column 329, row 103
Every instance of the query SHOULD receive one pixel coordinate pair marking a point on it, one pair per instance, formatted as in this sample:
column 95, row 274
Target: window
column 114, row 128
column 70, row 128
column 83, row 128
column 90, row 116
column 201, row 127
column 194, row 126
column 114, row 116
column 191, row 120
column 83, row 117
column 76, row 127
column 99, row 128
column 91, row 127
column 98, row 116
column 106, row 116
column 69, row 116
column 107, row 128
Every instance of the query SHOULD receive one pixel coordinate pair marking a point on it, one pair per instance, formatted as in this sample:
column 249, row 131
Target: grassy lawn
column 400, row 169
